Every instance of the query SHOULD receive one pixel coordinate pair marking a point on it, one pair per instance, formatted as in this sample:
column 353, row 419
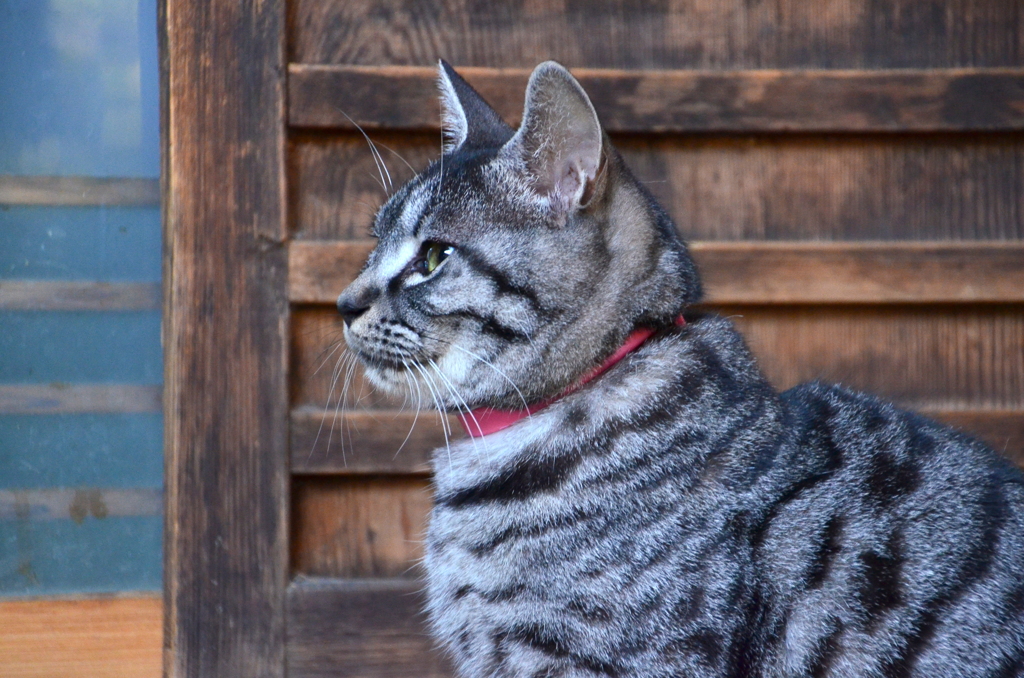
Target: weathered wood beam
column 682, row 101
column 368, row 628
column 78, row 191
column 108, row 637
column 78, row 398
column 225, row 336
column 78, row 295
column 368, row 442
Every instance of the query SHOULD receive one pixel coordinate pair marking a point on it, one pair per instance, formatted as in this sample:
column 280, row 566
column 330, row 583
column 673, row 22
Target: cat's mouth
column 383, row 361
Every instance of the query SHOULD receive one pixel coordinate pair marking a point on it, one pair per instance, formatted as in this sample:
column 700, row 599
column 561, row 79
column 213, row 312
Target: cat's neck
column 485, row 420
column 686, row 370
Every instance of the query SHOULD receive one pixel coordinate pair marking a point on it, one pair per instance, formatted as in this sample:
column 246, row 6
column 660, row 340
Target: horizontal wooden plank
column 368, row 628
column 374, row 447
column 63, row 398
column 114, row 637
column 405, row 97
column 319, row 271
column 861, row 272
column 79, row 503
column 768, row 272
column 77, row 295
column 78, row 191
column 367, row 442
column 729, row 187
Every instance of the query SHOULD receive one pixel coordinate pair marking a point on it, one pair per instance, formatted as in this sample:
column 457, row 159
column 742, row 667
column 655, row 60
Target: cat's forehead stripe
column 413, row 208
column 395, row 259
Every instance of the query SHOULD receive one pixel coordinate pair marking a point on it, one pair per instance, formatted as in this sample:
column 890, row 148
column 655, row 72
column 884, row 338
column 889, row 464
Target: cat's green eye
column 434, row 253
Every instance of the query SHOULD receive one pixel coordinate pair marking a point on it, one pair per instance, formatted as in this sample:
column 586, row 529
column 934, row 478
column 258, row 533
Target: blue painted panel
column 80, row 346
column 78, row 88
column 104, row 244
column 54, row 557
column 74, row 450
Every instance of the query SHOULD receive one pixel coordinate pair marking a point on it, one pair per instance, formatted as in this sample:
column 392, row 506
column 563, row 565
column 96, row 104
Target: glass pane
column 79, row 88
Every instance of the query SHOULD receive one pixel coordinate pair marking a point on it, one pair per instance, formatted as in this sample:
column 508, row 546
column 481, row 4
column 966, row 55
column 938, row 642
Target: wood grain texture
column 334, row 185
column 64, row 398
column 630, row 34
column 225, row 320
column 405, row 98
column 76, row 295
column 767, row 272
column 359, row 526
column 78, row 191
column 370, row 629
column 861, row 272
column 368, row 442
column 77, row 503
column 798, row 187
column 921, row 357
column 98, row 638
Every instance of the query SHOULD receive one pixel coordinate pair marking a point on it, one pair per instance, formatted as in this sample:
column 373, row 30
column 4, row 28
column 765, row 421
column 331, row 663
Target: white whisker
column 497, row 371
column 459, row 399
column 336, row 372
column 377, row 159
column 486, row 362
column 440, row 408
column 398, row 155
column 410, row 381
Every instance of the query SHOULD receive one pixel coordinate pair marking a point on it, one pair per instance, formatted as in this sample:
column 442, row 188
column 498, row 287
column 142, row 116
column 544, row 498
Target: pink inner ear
column 567, row 187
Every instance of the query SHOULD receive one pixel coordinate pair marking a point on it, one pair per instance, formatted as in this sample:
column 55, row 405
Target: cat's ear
column 466, row 119
column 560, row 138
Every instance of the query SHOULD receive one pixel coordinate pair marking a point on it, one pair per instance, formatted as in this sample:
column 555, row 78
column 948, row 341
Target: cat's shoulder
column 865, row 431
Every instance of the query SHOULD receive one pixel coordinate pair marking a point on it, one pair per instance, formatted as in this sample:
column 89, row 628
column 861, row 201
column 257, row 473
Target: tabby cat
column 673, row 515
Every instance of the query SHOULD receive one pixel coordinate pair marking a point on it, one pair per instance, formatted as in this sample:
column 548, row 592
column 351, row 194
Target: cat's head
column 516, row 262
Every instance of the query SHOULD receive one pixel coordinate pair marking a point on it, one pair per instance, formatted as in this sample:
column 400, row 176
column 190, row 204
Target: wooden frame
column 235, row 272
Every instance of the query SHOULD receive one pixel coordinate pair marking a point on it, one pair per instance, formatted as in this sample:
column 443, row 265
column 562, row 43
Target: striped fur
column 676, row 516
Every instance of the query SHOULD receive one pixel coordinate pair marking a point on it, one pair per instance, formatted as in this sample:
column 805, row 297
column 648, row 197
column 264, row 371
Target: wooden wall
column 851, row 175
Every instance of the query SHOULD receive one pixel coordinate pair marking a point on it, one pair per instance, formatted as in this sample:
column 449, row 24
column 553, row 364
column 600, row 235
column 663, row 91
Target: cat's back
column 895, row 545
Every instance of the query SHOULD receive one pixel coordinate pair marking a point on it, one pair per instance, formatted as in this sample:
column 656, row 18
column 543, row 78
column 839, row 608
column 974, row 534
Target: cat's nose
column 357, row 299
column 351, row 308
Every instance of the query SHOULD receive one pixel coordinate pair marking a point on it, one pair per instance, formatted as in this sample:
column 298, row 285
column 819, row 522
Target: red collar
column 485, row 421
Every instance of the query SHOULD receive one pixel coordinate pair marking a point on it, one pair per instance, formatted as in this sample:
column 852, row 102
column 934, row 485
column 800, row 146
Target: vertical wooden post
column 225, row 321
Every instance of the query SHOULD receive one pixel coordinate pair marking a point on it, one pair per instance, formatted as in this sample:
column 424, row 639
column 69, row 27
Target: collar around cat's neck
column 485, row 421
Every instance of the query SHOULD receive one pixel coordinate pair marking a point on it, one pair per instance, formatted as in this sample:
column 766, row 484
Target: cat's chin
column 393, row 381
